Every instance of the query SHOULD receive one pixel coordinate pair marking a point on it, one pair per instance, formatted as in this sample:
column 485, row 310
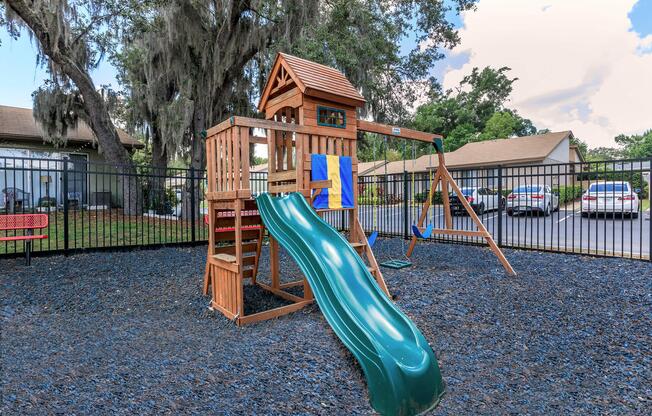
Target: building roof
column 18, row 124
column 518, row 150
column 419, row 164
column 312, row 79
column 528, row 149
column 365, row 167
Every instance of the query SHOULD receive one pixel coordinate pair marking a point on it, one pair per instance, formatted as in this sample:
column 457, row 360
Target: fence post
column 192, row 204
column 64, row 190
column 405, row 205
column 649, row 197
column 501, row 206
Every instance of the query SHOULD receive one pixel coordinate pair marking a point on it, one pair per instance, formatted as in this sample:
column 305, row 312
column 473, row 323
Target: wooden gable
column 292, row 76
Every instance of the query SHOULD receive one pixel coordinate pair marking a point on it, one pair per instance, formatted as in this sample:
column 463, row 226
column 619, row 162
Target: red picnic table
column 27, row 222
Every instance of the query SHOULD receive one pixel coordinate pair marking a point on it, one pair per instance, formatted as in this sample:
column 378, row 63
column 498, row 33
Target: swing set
column 441, row 179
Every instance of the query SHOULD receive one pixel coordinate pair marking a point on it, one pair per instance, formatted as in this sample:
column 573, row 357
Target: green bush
column 569, row 193
column 604, row 172
column 371, row 194
column 161, row 202
column 47, row 202
column 422, row 196
column 566, row 193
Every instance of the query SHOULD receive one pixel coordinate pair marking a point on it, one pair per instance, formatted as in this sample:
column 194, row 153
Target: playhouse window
column 331, row 117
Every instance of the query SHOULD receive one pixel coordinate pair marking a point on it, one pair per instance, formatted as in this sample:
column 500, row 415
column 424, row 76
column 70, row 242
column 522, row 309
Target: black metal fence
column 597, row 208
column 94, row 205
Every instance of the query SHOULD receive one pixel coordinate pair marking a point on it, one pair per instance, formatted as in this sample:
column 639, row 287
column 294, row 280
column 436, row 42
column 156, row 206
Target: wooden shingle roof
column 313, row 79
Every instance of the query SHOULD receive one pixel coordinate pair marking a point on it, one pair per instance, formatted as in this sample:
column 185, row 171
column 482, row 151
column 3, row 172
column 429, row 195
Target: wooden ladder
column 224, row 250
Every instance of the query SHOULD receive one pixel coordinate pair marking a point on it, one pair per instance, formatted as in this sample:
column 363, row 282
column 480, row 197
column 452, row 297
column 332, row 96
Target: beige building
column 545, row 159
column 31, row 169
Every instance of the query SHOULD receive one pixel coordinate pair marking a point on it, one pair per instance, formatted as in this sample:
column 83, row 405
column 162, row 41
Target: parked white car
column 532, row 198
column 610, row 197
column 480, row 199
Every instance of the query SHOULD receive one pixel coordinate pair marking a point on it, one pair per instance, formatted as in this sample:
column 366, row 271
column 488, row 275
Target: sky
column 582, row 65
column 20, row 76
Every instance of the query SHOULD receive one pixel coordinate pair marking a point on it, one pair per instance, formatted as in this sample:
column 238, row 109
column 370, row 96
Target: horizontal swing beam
column 399, row 132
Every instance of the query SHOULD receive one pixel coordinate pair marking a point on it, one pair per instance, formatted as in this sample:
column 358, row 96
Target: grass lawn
column 646, row 204
column 87, row 229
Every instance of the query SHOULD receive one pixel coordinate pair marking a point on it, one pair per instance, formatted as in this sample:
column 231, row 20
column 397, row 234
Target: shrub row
column 569, row 193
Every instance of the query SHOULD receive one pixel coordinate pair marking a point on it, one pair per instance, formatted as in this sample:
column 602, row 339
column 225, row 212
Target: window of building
column 331, row 117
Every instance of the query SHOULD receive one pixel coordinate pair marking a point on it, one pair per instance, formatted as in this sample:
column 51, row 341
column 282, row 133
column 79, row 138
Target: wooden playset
column 309, row 109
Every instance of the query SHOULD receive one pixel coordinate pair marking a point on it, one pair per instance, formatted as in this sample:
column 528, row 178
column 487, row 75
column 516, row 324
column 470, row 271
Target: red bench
column 27, row 222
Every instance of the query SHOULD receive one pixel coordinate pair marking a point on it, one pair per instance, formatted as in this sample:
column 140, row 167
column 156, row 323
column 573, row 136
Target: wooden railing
column 290, row 146
column 227, row 161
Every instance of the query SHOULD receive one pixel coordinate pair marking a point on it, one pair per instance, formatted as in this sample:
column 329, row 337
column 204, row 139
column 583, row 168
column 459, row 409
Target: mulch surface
column 130, row 333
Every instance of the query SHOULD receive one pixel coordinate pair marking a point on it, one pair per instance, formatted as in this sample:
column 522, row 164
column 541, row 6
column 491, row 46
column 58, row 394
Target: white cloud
column 580, row 65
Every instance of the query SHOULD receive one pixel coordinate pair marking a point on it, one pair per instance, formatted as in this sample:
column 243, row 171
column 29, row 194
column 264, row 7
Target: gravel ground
column 129, row 333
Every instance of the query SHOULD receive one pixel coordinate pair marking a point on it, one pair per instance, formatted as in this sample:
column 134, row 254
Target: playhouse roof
column 312, row 79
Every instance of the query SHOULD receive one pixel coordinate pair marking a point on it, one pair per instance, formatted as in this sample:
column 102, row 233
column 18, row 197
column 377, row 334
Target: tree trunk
column 110, row 146
column 158, row 199
column 197, row 164
column 57, row 49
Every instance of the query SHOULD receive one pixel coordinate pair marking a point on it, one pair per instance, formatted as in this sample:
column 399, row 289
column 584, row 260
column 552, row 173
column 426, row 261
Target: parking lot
column 565, row 230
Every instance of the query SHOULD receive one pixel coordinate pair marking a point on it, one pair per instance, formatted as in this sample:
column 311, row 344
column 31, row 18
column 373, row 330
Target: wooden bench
column 27, row 222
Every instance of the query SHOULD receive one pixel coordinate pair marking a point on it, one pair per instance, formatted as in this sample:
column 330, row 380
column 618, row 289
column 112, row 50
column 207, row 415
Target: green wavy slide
column 402, row 373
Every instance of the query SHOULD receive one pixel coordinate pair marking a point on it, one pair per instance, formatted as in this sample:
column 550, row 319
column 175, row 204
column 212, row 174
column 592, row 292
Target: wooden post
column 299, row 140
column 370, row 257
column 353, row 214
column 238, row 257
column 244, row 150
column 307, row 291
column 271, row 151
column 274, row 259
column 211, row 245
column 444, row 192
column 479, row 224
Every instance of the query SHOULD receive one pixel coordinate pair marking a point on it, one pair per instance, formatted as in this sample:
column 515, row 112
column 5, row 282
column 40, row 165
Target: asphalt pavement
column 564, row 230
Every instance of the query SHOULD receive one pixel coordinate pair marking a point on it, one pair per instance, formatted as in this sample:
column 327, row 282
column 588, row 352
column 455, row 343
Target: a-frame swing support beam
column 443, row 177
